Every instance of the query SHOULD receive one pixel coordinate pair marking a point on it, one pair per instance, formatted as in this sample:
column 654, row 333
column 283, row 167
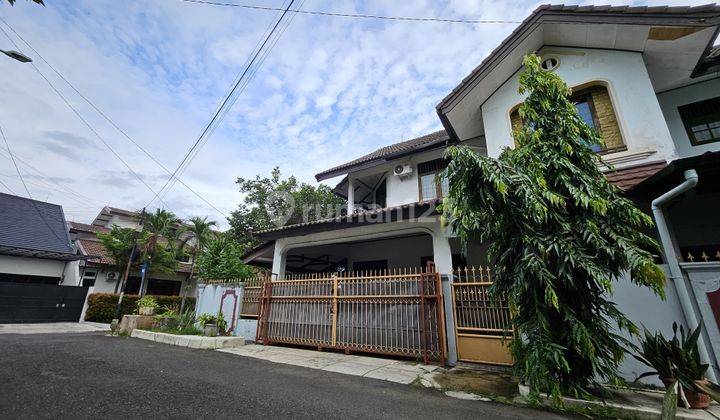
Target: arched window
column 595, row 107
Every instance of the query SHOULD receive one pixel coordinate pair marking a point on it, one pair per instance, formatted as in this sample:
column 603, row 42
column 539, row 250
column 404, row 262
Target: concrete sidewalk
column 399, row 371
column 53, row 328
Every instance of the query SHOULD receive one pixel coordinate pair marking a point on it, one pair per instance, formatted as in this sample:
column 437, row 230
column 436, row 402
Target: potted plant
column 678, row 360
column 656, row 352
column 690, row 371
column 209, row 323
column 146, row 305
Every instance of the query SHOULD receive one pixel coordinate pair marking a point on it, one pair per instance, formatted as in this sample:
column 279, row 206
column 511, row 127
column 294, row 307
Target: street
column 92, row 375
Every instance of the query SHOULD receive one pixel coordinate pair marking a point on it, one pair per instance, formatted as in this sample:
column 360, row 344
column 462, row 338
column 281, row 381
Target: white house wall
column 645, row 309
column 31, row 266
column 440, row 244
column 624, row 73
column 671, row 100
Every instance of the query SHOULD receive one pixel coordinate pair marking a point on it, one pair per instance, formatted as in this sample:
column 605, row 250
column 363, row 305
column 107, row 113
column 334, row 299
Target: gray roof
column 31, row 225
column 387, row 153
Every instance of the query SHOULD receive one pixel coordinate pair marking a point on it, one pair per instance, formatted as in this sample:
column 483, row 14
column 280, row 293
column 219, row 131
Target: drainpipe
column 676, row 275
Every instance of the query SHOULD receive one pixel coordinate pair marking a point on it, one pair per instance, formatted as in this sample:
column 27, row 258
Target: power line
column 32, row 201
column 85, row 122
column 353, row 15
column 108, row 119
column 217, row 115
column 42, row 177
column 7, row 188
column 241, row 89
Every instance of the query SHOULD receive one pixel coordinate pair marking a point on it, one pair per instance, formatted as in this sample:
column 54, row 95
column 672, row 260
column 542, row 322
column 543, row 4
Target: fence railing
column 251, row 296
column 395, row 311
column 475, row 311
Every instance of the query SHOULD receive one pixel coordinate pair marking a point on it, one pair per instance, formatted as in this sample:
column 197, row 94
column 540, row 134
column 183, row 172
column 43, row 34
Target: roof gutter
column 676, row 275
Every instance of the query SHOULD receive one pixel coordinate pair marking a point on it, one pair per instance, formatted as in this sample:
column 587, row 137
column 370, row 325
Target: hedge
column 101, row 306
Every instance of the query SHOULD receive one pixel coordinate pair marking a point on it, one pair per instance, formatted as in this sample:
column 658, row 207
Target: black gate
column 23, row 302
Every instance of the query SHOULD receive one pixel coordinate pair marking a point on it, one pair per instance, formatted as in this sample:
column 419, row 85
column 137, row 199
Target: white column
column 279, row 257
column 442, row 255
column 351, row 196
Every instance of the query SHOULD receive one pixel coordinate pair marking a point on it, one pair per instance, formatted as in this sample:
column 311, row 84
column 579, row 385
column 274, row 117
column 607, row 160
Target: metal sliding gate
column 396, row 312
column 29, row 302
column 482, row 325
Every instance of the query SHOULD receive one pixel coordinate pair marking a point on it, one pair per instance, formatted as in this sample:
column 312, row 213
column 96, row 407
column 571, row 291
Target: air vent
column 549, row 63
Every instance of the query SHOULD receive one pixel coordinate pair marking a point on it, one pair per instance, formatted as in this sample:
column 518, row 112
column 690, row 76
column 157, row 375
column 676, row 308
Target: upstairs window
column 432, row 186
column 702, row 121
column 595, row 108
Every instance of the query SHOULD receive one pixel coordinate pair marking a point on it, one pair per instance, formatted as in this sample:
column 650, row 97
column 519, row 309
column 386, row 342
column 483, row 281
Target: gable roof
column 386, row 153
column 84, row 227
column 702, row 16
column 32, row 228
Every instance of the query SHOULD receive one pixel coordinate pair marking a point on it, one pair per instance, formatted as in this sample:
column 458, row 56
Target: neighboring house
column 100, row 270
column 647, row 78
column 36, row 261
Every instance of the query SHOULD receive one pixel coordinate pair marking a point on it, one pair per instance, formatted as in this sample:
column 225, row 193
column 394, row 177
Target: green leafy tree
column 559, row 233
column 119, row 243
column 222, row 259
column 197, row 230
column 160, row 246
column 273, row 201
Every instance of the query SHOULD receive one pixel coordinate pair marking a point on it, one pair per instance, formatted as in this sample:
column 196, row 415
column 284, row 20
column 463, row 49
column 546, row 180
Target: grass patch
column 190, row 330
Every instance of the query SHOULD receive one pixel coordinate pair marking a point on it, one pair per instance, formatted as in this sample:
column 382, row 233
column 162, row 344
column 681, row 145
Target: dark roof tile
column 384, row 152
column 33, row 225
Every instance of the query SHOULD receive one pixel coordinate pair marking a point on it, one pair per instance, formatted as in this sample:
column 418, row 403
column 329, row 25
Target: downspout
column 676, row 275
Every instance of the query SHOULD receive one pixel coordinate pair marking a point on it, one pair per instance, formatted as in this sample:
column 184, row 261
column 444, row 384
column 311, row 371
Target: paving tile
column 349, row 368
column 393, row 375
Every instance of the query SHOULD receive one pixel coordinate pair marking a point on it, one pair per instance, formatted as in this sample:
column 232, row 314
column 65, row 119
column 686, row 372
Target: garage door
column 40, row 302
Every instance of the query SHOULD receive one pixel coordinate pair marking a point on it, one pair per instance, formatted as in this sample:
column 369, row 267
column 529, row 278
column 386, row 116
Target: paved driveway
column 53, row 327
column 93, row 375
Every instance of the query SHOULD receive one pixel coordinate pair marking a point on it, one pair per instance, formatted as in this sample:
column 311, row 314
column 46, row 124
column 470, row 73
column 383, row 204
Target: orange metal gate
column 397, row 312
column 482, row 325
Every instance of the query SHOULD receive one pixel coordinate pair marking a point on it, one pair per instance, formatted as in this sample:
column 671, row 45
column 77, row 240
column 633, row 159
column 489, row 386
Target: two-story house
column 100, row 270
column 647, row 78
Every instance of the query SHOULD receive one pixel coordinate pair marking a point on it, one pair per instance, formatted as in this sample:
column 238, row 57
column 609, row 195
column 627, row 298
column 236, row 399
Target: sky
column 331, row 89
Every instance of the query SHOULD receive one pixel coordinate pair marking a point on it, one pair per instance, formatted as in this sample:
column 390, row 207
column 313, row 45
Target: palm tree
column 199, row 231
column 161, row 245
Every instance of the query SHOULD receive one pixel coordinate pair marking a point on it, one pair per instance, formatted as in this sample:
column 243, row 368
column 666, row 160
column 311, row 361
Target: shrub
column 101, row 306
column 147, row 302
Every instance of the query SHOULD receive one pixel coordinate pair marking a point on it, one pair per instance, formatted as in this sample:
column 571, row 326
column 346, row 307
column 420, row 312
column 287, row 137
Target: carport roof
column 32, row 228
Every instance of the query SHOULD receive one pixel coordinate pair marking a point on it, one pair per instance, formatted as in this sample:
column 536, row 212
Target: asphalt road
column 91, row 375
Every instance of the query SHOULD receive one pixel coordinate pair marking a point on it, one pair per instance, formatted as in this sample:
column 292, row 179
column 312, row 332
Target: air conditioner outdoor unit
column 403, row 171
column 113, row 275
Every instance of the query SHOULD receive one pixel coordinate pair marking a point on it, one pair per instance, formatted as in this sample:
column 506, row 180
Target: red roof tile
column 95, row 249
column 627, row 178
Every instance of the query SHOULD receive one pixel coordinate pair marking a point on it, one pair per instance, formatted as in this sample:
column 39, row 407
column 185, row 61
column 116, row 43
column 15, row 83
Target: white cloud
column 332, row 89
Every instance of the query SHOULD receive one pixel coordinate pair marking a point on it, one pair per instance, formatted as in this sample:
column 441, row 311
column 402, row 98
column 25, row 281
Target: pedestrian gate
column 396, row 312
column 482, row 325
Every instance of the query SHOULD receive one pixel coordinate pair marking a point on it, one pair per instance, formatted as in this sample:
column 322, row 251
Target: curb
column 631, row 411
column 190, row 341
